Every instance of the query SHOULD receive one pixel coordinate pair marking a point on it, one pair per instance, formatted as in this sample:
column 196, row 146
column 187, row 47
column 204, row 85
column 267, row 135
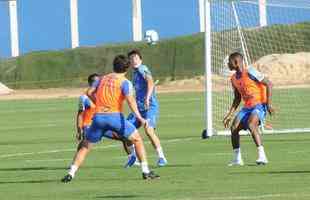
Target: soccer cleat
column 131, row 160
column 238, row 162
column 137, row 163
column 67, row 178
column 262, row 161
column 162, row 162
column 150, row 175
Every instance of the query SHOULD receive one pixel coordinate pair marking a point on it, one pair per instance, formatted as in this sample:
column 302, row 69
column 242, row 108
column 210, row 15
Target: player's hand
column 147, row 103
column 270, row 109
column 227, row 120
column 144, row 123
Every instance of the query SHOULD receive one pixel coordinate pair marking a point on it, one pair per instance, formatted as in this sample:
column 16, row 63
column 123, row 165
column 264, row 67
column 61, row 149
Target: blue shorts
column 107, row 134
column 105, row 123
column 150, row 115
column 244, row 114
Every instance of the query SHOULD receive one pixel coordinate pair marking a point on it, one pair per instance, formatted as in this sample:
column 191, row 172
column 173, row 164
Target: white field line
column 298, row 152
column 181, row 100
column 263, row 196
column 73, row 150
column 49, row 160
column 25, row 127
column 26, row 110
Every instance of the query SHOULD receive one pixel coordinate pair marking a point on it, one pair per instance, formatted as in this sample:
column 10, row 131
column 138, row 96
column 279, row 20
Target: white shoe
column 238, row 162
column 262, row 160
column 137, row 163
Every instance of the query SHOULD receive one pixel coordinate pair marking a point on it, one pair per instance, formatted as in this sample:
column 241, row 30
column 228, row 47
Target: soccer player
column 255, row 90
column 84, row 117
column 146, row 101
column 110, row 92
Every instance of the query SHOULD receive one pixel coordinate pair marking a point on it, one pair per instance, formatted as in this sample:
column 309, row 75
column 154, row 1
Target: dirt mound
column 4, row 89
column 286, row 69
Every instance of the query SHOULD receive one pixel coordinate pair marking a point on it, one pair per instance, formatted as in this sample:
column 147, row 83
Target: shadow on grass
column 54, row 168
column 274, row 172
column 29, row 181
column 58, row 180
column 175, row 166
column 117, row 197
column 32, row 169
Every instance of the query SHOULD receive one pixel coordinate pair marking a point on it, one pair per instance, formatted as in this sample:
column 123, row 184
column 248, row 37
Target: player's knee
column 149, row 131
column 253, row 126
column 135, row 137
column 84, row 144
column 234, row 128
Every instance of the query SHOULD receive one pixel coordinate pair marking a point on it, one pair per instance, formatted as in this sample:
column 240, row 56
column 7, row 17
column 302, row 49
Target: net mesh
column 281, row 50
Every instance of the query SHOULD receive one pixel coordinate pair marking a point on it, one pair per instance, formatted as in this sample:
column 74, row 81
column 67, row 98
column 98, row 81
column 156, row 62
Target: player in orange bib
column 109, row 93
column 254, row 89
column 86, row 111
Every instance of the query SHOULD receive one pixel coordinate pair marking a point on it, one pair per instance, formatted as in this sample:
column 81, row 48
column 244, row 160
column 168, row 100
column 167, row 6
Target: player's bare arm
column 134, row 108
column 268, row 85
column 150, row 88
column 235, row 104
column 90, row 92
column 79, row 125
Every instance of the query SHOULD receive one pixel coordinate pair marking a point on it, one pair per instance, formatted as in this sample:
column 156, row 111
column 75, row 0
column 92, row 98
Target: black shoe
column 67, row 178
column 150, row 175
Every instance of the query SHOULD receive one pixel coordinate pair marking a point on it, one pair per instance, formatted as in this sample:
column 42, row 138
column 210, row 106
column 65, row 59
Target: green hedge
column 181, row 57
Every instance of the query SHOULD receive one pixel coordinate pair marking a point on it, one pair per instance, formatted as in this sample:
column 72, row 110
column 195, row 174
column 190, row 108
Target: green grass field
column 37, row 145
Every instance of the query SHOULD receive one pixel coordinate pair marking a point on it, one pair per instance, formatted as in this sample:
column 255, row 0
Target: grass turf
column 37, row 145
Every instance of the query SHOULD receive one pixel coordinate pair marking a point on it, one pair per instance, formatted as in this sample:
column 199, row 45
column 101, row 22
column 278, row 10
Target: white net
column 280, row 49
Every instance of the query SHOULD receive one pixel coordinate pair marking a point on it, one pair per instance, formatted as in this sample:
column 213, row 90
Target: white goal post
column 273, row 36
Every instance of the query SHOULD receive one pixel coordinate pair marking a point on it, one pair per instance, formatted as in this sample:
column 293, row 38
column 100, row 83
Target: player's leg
column 92, row 135
column 130, row 132
column 151, row 115
column 236, row 127
column 127, row 146
column 150, row 132
column 136, row 139
column 257, row 116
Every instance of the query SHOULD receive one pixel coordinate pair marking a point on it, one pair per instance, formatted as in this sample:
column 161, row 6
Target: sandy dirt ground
column 75, row 92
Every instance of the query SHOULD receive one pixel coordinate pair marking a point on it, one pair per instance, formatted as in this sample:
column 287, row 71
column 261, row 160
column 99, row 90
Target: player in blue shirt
column 147, row 101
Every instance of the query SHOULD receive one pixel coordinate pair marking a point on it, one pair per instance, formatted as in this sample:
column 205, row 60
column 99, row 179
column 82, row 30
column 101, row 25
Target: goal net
column 274, row 37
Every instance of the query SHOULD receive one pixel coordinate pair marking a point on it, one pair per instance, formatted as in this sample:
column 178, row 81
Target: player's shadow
column 45, row 168
column 32, row 169
column 274, row 172
column 290, row 172
column 117, row 197
column 175, row 166
column 29, row 181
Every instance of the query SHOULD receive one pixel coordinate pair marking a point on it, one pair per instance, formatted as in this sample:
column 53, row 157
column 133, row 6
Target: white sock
column 72, row 170
column 261, row 151
column 145, row 167
column 160, row 152
column 237, row 153
column 132, row 150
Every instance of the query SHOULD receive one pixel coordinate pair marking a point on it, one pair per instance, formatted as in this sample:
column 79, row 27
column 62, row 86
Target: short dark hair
column 91, row 78
column 135, row 52
column 235, row 55
column 120, row 64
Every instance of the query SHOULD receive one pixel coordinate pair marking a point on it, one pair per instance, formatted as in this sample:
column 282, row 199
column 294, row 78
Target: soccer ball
column 224, row 71
column 151, row 37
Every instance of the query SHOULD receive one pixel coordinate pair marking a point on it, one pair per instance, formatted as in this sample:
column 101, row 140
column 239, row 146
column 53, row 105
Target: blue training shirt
column 140, row 84
column 84, row 103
